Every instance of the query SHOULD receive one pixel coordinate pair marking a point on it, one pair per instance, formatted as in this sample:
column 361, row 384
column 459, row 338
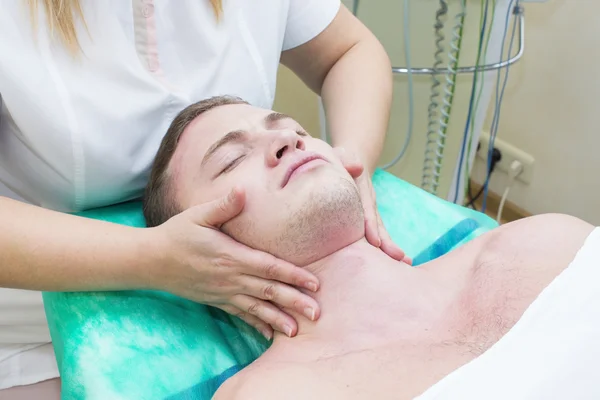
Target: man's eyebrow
column 274, row 117
column 238, row 136
column 231, row 137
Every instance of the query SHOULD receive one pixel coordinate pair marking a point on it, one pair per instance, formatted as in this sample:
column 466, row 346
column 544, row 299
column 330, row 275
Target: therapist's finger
column 266, row 312
column 265, row 329
column 356, row 170
column 265, row 265
column 387, row 244
column 217, row 212
column 350, row 162
column 371, row 227
column 281, row 295
column 370, row 211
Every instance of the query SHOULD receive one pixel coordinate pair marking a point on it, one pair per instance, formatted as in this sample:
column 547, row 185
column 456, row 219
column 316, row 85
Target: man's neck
column 363, row 291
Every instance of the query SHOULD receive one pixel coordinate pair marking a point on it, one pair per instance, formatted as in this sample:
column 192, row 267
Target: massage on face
column 301, row 203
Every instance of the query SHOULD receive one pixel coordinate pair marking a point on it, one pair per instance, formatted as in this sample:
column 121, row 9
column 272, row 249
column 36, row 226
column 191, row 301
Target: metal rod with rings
column 518, row 12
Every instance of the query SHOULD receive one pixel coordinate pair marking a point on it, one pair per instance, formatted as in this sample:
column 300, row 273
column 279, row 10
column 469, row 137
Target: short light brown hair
column 159, row 203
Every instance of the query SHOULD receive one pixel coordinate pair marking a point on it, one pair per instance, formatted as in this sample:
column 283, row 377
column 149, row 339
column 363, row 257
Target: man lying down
column 513, row 314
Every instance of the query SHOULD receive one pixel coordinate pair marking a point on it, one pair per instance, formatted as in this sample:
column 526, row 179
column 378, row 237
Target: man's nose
column 283, row 143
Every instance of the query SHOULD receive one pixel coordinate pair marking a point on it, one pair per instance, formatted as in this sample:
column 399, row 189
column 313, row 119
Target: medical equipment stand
column 436, row 139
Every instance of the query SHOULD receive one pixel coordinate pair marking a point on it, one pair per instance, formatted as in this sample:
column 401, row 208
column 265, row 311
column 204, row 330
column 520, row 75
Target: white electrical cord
column 516, row 168
column 500, row 91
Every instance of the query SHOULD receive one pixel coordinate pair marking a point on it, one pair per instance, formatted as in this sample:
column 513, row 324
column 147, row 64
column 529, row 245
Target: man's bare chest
column 489, row 305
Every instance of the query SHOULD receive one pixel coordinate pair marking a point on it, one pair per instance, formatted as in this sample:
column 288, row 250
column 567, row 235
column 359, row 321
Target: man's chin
column 323, row 216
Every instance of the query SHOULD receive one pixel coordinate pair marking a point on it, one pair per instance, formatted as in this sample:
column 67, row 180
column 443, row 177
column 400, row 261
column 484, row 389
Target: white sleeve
column 306, row 19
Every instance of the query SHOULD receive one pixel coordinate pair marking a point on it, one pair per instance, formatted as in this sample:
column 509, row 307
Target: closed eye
column 230, row 166
column 301, row 133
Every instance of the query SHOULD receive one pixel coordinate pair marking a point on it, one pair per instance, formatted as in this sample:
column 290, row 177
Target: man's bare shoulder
column 508, row 268
column 555, row 237
column 239, row 386
column 524, row 256
column 264, row 382
column 228, row 390
column 278, row 380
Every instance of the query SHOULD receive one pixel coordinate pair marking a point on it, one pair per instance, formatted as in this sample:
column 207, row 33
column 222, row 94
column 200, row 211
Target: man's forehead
column 197, row 137
column 217, row 122
column 213, row 125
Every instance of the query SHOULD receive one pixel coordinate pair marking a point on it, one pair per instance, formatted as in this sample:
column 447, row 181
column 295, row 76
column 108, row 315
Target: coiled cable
column 439, row 140
column 432, row 115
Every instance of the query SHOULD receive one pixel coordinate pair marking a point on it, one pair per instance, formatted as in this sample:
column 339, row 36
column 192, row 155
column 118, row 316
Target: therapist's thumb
column 350, row 162
column 218, row 212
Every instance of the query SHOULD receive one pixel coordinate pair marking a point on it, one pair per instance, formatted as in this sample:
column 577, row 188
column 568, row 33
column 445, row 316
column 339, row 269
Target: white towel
column 552, row 352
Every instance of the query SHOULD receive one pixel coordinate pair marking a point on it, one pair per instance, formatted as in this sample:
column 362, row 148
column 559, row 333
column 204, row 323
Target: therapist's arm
column 187, row 256
column 51, row 251
column 349, row 68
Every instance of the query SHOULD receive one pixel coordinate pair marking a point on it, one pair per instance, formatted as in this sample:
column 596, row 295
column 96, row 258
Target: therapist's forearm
column 357, row 96
column 50, row 251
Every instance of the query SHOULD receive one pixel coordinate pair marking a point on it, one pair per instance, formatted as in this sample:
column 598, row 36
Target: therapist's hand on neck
column 375, row 232
column 348, row 67
column 199, row 262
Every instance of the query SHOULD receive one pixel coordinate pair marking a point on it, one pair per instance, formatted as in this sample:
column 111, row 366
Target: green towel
column 149, row 345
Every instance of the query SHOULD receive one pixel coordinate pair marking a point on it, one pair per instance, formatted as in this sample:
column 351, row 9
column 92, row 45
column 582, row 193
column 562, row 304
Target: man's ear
column 352, row 164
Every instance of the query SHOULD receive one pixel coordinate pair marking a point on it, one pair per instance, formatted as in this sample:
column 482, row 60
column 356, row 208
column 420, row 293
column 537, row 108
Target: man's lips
column 297, row 164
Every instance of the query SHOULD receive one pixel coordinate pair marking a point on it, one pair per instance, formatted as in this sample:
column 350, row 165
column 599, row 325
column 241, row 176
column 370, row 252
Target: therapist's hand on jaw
column 349, row 68
column 206, row 265
column 375, row 231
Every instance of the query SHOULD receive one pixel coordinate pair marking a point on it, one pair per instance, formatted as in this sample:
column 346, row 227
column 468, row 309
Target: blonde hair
column 61, row 15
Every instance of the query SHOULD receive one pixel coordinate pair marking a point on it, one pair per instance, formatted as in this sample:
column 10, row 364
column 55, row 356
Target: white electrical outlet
column 509, row 154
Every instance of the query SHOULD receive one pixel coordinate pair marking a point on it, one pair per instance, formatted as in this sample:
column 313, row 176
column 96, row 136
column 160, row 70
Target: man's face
column 296, row 188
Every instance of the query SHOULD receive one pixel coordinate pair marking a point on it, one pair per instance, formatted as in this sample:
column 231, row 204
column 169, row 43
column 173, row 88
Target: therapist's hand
column 375, row 231
column 205, row 265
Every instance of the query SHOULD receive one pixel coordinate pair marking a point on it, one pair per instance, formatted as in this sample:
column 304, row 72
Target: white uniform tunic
column 78, row 133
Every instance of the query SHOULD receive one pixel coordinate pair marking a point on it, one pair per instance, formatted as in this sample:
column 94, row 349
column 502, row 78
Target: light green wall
column 385, row 19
